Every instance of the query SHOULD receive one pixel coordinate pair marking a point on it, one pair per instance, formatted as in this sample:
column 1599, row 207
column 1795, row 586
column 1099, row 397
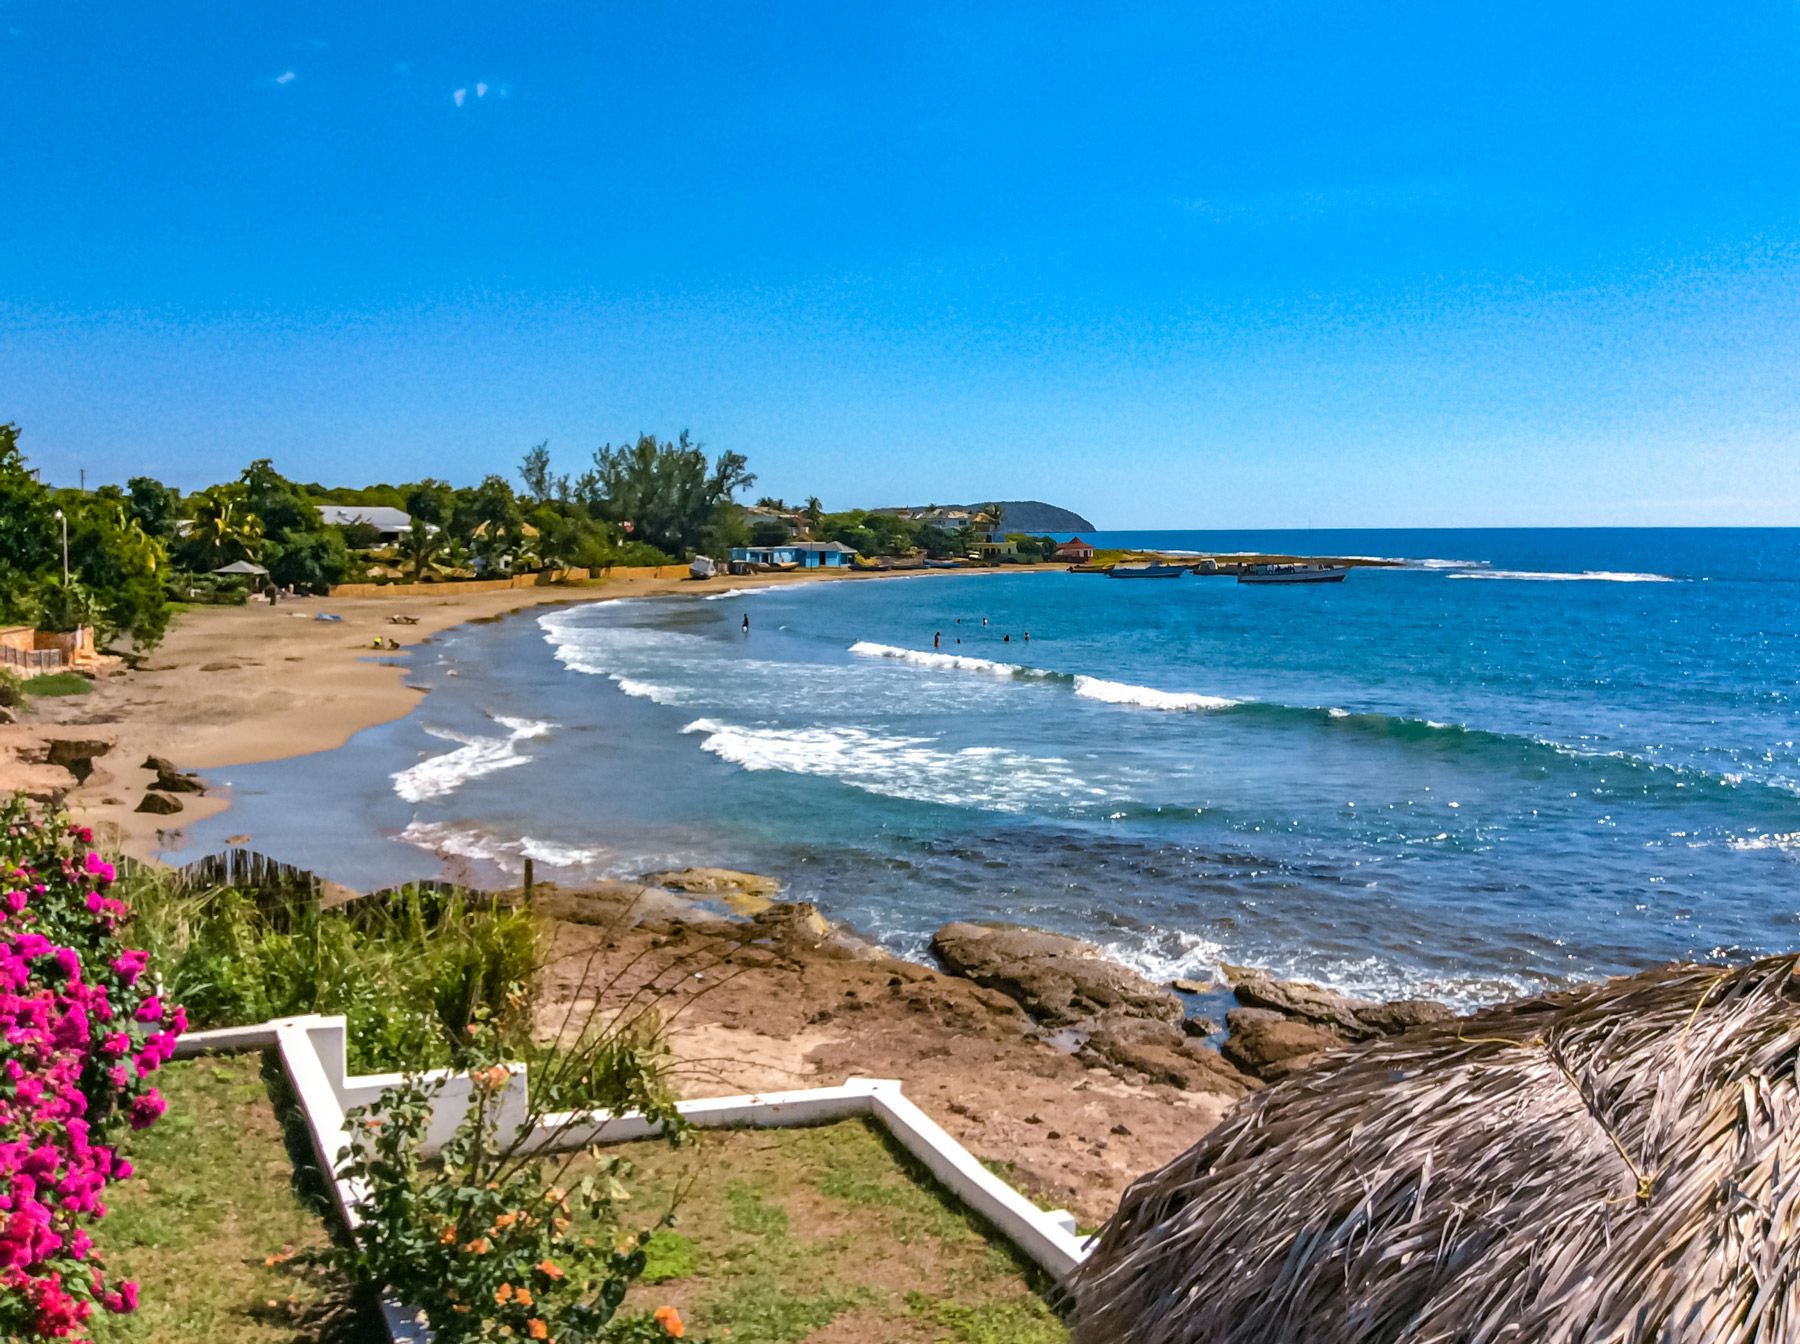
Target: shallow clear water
column 1528, row 756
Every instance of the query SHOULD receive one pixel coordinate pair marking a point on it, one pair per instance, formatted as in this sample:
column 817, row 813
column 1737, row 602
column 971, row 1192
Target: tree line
column 135, row 549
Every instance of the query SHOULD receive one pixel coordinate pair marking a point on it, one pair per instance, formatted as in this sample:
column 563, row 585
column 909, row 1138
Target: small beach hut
column 1075, row 550
column 1612, row 1163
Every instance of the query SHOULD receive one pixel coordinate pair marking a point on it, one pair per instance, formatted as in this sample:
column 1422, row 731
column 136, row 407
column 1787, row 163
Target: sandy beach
column 234, row 685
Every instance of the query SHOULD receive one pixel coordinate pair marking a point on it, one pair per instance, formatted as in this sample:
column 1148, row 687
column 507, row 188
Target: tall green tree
column 667, row 492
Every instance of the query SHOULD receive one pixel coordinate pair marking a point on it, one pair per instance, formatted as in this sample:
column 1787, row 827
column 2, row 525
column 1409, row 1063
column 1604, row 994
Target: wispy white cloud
column 285, row 77
column 479, row 89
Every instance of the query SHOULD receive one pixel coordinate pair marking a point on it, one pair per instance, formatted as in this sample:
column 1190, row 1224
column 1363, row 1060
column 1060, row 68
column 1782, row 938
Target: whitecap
column 948, row 662
column 990, row 778
column 436, row 776
column 735, row 592
column 1555, row 576
column 1147, row 697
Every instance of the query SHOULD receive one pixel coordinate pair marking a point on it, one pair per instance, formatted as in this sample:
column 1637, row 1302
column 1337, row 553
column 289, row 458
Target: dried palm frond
column 1612, row 1163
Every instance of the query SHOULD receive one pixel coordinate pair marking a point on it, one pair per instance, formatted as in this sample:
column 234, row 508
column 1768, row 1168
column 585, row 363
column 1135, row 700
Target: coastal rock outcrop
column 746, row 893
column 1285, row 1025
column 161, row 804
column 1059, row 980
column 1352, row 1019
column 1115, row 1017
column 75, row 754
column 1268, row 1046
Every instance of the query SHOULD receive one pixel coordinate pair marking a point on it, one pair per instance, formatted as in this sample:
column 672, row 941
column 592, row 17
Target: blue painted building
column 805, row 554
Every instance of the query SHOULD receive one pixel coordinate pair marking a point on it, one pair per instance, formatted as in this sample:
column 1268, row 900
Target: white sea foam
column 555, row 855
column 457, row 842
column 649, row 690
column 1554, row 576
column 436, row 776
column 1785, row 842
column 1174, row 954
column 1432, row 562
column 948, row 662
column 991, row 778
column 735, row 592
column 1147, row 697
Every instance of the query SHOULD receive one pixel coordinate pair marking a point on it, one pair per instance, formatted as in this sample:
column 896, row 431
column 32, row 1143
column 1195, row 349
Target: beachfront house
column 1075, row 551
column 390, row 524
column 795, row 555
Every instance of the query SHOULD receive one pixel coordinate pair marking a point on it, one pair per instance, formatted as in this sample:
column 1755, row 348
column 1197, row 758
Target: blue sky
column 1266, row 264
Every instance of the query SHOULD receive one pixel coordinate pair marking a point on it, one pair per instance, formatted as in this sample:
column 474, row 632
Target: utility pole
column 63, row 519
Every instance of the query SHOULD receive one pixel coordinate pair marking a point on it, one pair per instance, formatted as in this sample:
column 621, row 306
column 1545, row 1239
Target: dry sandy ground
column 770, row 1008
column 233, row 685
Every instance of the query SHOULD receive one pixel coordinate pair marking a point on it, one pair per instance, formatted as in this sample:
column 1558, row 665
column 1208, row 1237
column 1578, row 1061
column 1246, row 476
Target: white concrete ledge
column 314, row 1056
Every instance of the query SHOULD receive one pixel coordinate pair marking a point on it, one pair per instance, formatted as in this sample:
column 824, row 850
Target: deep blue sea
column 1525, row 757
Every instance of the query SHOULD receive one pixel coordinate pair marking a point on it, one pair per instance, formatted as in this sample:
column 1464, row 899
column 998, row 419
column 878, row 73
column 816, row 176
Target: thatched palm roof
column 1619, row 1162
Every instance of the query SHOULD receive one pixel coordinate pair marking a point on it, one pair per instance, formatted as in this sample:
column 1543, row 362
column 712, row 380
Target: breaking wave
column 1553, row 576
column 436, row 776
column 948, row 662
column 990, row 778
column 1147, row 697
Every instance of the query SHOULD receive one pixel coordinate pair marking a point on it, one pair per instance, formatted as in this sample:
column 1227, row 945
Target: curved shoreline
column 245, row 685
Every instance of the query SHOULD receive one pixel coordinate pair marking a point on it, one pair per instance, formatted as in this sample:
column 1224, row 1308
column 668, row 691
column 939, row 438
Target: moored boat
column 1151, row 571
column 1293, row 574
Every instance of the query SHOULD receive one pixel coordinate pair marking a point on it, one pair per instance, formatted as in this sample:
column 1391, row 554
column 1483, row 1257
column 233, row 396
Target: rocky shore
column 1069, row 1071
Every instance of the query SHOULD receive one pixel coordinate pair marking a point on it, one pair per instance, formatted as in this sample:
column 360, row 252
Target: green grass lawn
column 209, row 1223
column 58, row 683
column 828, row 1234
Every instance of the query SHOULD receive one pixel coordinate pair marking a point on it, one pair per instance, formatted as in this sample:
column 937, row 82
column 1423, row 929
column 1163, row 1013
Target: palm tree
column 223, row 530
column 814, row 510
column 423, row 549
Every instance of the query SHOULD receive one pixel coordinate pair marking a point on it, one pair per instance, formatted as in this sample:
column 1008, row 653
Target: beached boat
column 1154, row 571
column 1293, row 574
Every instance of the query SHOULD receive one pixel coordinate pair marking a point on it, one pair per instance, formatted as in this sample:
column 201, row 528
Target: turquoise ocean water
column 1525, row 757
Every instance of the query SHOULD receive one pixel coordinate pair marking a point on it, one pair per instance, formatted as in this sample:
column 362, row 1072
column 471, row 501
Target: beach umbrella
column 241, row 567
column 1610, row 1163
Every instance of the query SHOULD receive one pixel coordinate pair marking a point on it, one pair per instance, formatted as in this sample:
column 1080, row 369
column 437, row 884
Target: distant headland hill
column 1016, row 515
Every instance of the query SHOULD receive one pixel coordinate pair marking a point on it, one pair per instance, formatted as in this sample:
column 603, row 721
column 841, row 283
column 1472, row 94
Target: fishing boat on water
column 1293, row 574
column 1150, row 571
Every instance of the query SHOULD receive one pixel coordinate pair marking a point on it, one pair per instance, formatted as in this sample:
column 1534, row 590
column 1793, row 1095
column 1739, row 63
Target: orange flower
column 449, row 1236
column 549, row 1270
column 506, row 1220
column 503, row 1294
column 522, row 1295
column 670, row 1320
column 479, row 1246
column 537, row 1329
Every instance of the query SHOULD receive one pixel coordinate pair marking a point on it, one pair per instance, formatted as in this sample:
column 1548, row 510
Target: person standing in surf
column 746, row 625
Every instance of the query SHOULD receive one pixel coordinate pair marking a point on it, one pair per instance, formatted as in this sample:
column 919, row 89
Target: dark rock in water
column 1352, row 1019
column 1163, row 1052
column 160, row 803
column 1059, row 980
column 1184, row 986
column 1269, row 1046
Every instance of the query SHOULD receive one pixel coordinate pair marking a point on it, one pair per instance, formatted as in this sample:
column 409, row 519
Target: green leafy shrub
column 485, row 1239
column 411, row 974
